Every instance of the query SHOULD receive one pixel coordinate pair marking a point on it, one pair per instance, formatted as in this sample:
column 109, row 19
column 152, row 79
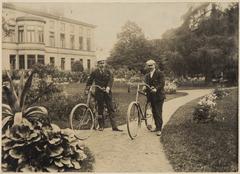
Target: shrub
column 60, row 105
column 29, row 142
column 170, row 87
column 29, row 148
column 77, row 66
column 42, row 89
column 205, row 110
column 220, row 92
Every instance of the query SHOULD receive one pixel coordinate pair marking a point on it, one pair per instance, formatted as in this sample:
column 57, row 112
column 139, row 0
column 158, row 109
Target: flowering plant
column 170, row 87
column 220, row 93
column 205, row 110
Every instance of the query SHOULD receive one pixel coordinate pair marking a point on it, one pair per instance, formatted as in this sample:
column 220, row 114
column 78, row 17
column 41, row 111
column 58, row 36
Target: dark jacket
column 157, row 81
column 103, row 79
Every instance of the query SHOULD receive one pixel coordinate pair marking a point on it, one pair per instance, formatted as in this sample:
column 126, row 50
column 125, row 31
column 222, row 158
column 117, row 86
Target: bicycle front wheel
column 82, row 121
column 133, row 120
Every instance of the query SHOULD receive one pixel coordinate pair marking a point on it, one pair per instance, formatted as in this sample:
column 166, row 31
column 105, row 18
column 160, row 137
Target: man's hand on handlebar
column 153, row 89
column 86, row 92
column 107, row 89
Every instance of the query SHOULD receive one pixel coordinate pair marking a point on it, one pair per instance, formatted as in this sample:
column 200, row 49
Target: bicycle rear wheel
column 82, row 121
column 149, row 120
column 133, row 120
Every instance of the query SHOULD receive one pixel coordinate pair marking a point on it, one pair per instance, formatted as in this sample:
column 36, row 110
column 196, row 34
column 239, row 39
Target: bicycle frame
column 90, row 93
column 137, row 96
column 138, row 90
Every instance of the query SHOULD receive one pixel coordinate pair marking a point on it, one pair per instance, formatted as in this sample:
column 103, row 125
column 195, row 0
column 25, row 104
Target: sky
column 154, row 18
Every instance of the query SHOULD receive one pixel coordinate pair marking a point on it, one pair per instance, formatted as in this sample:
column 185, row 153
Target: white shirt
column 151, row 73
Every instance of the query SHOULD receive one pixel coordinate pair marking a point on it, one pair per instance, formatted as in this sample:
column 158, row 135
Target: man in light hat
column 155, row 95
column 104, row 78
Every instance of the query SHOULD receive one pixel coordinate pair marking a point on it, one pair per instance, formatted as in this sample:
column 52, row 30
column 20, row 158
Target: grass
column 209, row 147
column 121, row 97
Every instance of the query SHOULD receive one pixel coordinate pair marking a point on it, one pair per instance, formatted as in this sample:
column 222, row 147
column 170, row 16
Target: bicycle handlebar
column 99, row 87
column 144, row 84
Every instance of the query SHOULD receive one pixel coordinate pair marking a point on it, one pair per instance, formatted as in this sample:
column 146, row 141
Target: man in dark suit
column 155, row 95
column 104, row 78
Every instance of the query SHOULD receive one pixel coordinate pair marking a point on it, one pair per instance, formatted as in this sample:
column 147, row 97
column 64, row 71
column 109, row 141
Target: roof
column 48, row 15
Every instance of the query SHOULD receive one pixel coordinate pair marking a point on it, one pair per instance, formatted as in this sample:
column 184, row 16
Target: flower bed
column 205, row 110
column 170, row 87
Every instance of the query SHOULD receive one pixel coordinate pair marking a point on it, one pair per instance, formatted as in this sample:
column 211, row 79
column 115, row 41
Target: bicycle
column 83, row 117
column 135, row 114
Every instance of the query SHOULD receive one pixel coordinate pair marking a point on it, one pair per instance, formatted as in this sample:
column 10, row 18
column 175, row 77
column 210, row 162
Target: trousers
column 105, row 99
column 157, row 113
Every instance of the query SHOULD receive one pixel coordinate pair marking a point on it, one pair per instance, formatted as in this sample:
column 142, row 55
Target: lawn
column 199, row 147
column 120, row 95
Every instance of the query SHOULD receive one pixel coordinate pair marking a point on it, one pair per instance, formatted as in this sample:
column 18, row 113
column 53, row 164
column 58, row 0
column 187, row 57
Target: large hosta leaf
column 55, row 141
column 55, row 128
column 76, row 164
column 67, row 162
column 80, row 155
column 58, row 163
column 56, row 151
column 16, row 154
column 52, row 168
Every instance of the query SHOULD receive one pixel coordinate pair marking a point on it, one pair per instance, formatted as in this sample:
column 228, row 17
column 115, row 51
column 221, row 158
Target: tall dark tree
column 131, row 49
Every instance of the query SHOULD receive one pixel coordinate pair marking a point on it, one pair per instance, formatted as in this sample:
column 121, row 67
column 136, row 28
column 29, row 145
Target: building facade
column 40, row 37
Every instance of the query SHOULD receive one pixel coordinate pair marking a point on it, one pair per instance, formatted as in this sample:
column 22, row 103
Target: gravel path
column 115, row 152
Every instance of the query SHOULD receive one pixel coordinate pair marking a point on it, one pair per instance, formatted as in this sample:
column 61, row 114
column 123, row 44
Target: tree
column 77, row 66
column 132, row 48
column 206, row 43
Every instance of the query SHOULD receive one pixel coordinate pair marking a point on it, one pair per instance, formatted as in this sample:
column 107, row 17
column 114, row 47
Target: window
column 80, row 43
column 51, row 24
column 40, row 34
column 12, row 62
column 62, row 63
column 40, row 59
column 21, row 62
column 62, row 27
column 81, row 61
column 30, row 61
column 72, row 62
column 30, row 34
column 62, row 40
column 52, row 61
column 88, row 44
column 52, row 39
column 72, row 41
column 88, row 64
column 20, row 34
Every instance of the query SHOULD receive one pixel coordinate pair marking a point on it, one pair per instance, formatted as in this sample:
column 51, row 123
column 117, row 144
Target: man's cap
column 100, row 60
column 150, row 62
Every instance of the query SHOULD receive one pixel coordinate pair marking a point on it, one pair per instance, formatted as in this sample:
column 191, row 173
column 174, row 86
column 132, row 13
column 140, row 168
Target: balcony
column 31, row 46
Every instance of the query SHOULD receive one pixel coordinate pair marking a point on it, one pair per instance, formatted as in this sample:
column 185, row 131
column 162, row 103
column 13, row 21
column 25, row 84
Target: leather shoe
column 116, row 129
column 154, row 130
column 159, row 133
column 100, row 129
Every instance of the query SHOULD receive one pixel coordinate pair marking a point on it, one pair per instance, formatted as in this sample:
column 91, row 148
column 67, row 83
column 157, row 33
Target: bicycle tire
column 133, row 120
column 82, row 121
column 149, row 120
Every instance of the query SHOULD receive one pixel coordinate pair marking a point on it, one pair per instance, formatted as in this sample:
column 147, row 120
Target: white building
column 41, row 37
